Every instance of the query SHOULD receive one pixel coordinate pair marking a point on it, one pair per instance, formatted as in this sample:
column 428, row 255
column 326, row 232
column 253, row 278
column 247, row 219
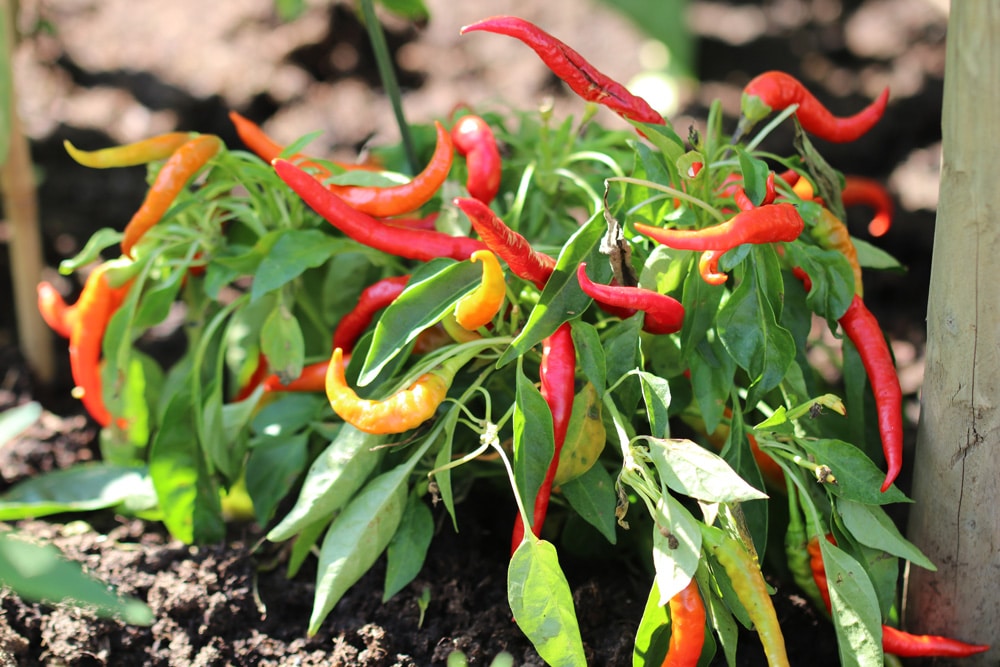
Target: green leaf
column 295, row 251
column 590, row 354
column 712, row 372
column 652, row 638
column 408, row 548
column 701, row 305
column 41, row 573
column 289, row 10
column 832, row 280
column 155, row 304
column 562, row 299
column 856, row 615
column 542, row 603
column 692, row 470
column 858, row 479
column 870, row 525
column 13, row 421
column 755, row 173
column 282, row 343
column 432, row 291
column 81, row 488
column 334, row 476
column 873, row 257
column 187, row 494
column 534, row 441
column 356, row 538
column 99, row 241
column 676, row 546
column 272, row 469
column 411, row 10
column 656, row 394
column 749, row 329
column 593, row 496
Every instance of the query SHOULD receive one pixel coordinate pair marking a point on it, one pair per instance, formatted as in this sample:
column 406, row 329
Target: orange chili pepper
column 400, row 412
column 98, row 302
column 54, row 310
column 477, row 308
column 687, row 627
column 383, row 202
column 129, row 155
column 831, row 233
column 185, row 162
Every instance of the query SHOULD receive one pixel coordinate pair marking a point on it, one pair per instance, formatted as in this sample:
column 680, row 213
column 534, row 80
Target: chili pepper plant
column 612, row 323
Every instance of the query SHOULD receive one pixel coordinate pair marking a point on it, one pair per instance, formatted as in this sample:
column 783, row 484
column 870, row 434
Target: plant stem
column 383, row 60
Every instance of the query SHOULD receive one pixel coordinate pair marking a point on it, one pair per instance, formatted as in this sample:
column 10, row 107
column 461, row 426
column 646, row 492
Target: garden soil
column 109, row 71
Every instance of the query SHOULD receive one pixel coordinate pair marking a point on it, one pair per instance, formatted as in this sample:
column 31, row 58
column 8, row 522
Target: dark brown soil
column 231, row 603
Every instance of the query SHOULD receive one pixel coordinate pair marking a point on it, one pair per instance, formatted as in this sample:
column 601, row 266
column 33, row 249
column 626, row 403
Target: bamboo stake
column 20, row 203
column 956, row 466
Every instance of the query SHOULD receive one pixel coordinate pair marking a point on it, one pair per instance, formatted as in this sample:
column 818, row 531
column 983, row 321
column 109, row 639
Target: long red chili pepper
column 54, row 310
column 861, row 191
column 511, row 247
column 98, row 302
column 129, row 155
column 417, row 244
column 474, row 140
column 663, row 313
column 372, row 299
column 774, row 91
column 582, row 77
column 383, row 202
column 173, row 176
column 558, row 376
column 894, row 641
column 765, row 224
column 863, row 330
column 687, row 628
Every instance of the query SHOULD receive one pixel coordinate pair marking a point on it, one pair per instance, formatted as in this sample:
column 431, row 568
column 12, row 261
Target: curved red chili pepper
column 861, row 327
column 508, row 245
column 474, row 140
column 860, row 191
column 774, row 91
column 663, row 313
column 582, row 77
column 418, row 244
column 766, row 224
column 558, row 377
column 372, row 299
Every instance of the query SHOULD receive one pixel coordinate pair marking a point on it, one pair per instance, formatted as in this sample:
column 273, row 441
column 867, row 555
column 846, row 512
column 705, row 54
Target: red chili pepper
column 687, row 628
column 860, row 191
column 861, row 327
column 766, row 224
column 511, row 247
column 373, row 298
column 774, row 91
column 663, row 313
column 54, row 310
column 428, row 222
column 98, row 302
column 474, row 140
column 256, row 378
column 743, row 201
column 894, row 641
column 582, row 77
column 173, row 176
column 417, row 244
column 129, row 155
column 558, row 375
column 312, row 378
column 383, row 202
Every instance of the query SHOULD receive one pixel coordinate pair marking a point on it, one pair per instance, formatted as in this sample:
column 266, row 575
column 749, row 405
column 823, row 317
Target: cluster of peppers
column 376, row 218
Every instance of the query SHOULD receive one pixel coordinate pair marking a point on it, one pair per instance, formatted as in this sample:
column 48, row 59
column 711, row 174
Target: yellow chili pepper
column 129, row 155
column 831, row 233
column 479, row 307
column 400, row 412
